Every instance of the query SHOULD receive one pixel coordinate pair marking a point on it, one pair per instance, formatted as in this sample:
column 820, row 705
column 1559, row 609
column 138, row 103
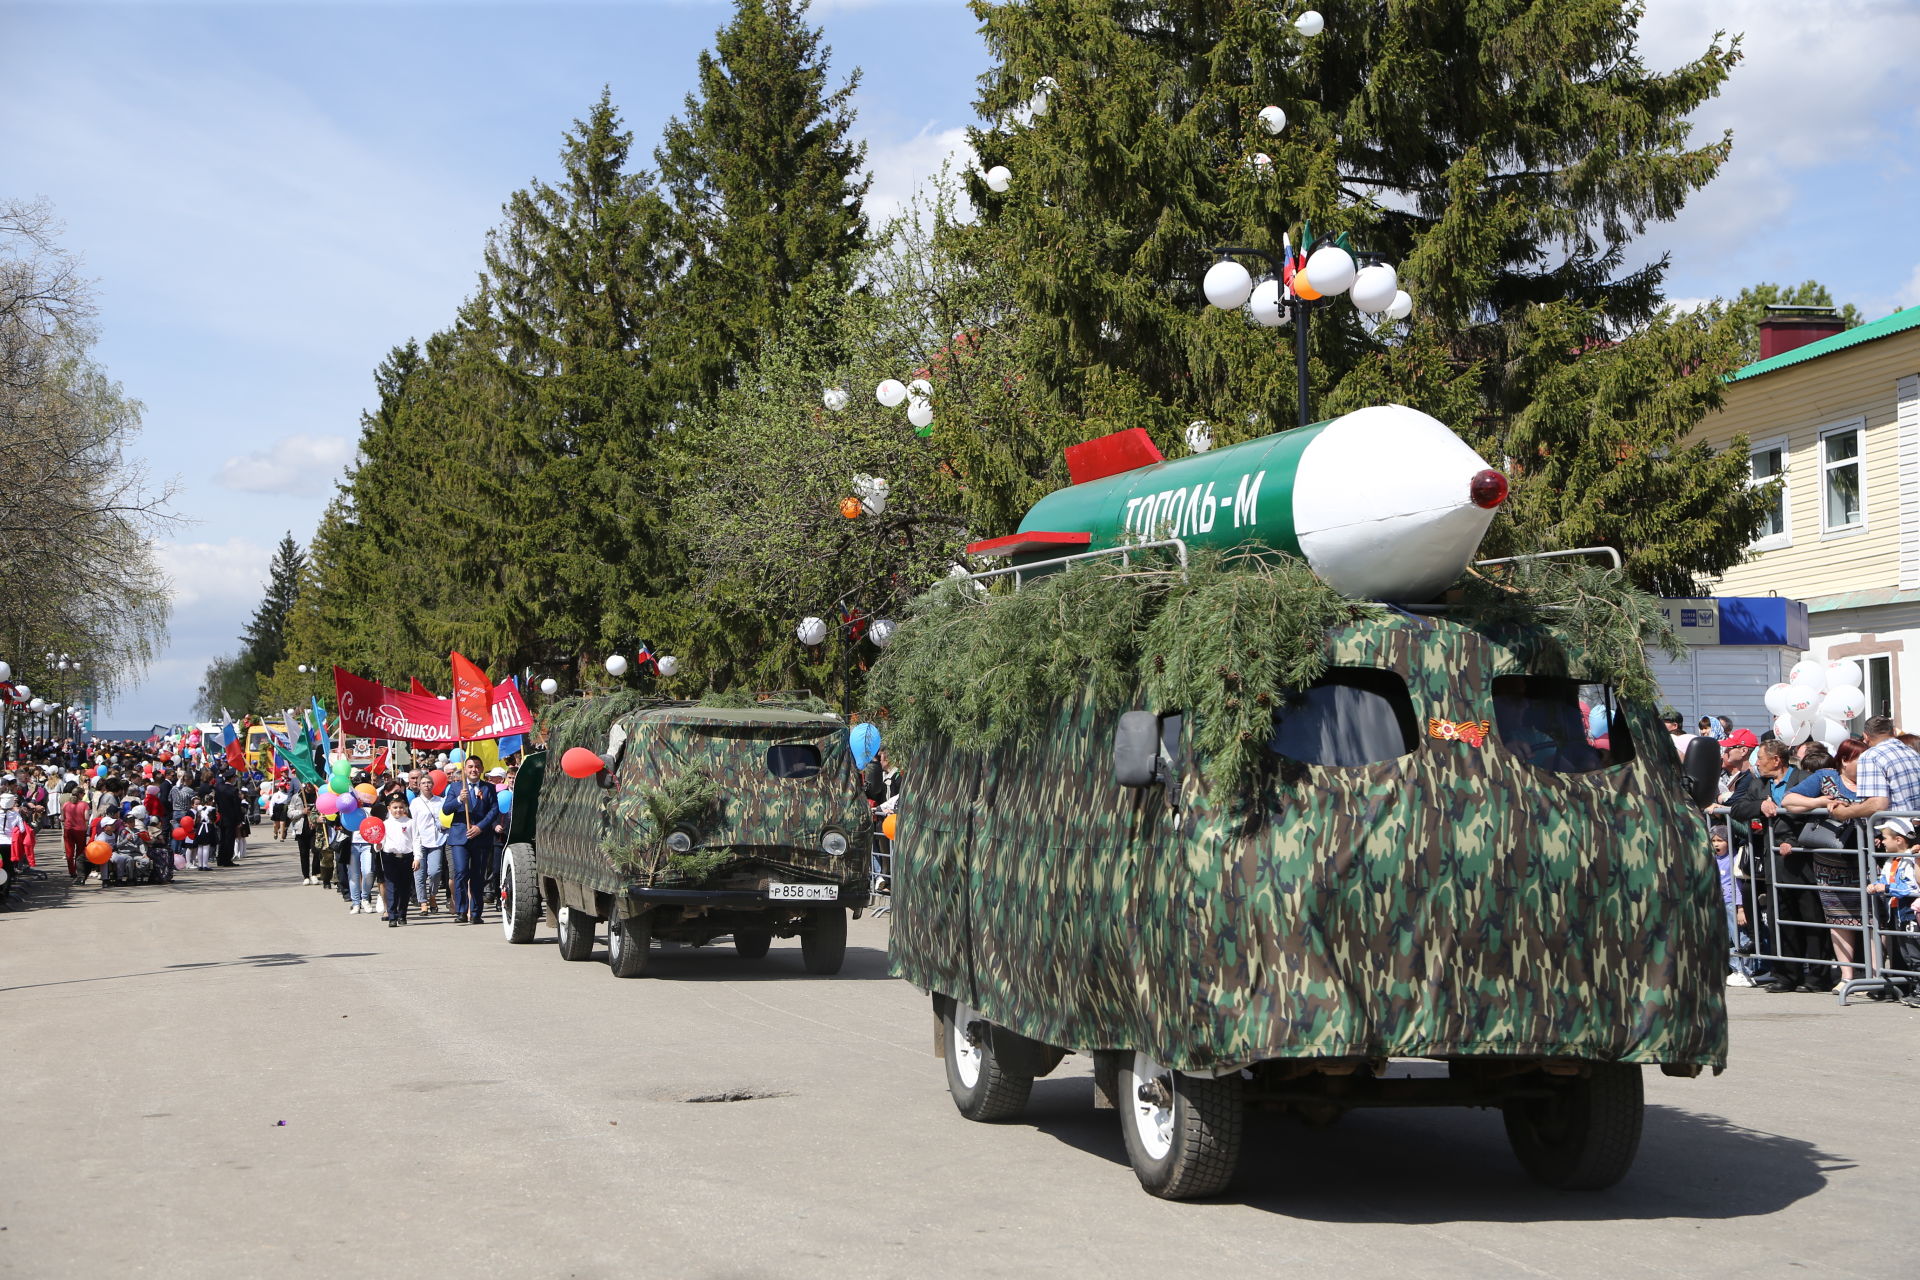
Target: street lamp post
column 1298, row 287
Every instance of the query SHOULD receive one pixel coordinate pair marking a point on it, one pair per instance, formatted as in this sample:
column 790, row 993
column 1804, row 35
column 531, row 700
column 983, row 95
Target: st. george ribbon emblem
column 1471, row 732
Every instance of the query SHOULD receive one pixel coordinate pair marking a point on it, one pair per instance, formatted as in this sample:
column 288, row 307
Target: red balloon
column 181, row 833
column 373, row 831
column 186, row 820
column 98, row 851
column 581, row 763
column 439, row 780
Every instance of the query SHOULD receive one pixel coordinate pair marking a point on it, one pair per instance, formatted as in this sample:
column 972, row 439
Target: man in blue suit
column 475, row 805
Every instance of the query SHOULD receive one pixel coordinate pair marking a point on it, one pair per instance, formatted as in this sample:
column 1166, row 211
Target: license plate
column 803, row 892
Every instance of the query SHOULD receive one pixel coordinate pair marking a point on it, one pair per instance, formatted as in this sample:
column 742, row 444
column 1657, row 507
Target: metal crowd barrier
column 1886, row 957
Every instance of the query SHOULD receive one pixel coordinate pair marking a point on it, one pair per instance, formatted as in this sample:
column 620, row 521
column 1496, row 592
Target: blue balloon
column 506, row 802
column 456, row 756
column 352, row 818
column 865, row 738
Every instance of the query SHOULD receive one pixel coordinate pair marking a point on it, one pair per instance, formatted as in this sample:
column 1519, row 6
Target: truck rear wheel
column 519, row 894
column 823, row 946
column 1585, row 1134
column 1182, row 1132
column 629, row 943
column 751, row 944
column 982, row 1089
column 576, row 934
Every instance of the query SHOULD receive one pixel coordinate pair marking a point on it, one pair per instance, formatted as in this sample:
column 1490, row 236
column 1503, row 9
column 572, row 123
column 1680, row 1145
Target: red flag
column 237, row 749
column 417, row 689
column 379, row 763
column 472, row 698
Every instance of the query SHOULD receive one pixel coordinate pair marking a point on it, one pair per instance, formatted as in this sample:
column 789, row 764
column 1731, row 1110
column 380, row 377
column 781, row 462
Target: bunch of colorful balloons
column 1816, row 701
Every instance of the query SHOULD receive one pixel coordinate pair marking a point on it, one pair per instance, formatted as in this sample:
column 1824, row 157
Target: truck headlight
column 679, row 842
column 833, row 844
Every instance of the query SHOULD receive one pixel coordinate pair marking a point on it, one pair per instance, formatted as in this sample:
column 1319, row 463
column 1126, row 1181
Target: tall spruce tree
column 1502, row 152
column 765, row 181
column 266, row 634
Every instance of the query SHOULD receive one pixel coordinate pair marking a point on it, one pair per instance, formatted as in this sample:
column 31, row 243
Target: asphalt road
column 234, row 1077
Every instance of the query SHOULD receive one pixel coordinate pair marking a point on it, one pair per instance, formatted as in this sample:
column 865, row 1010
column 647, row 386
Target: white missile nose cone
column 1388, row 504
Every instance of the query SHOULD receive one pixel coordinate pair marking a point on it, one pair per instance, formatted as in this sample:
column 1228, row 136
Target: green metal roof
column 1898, row 322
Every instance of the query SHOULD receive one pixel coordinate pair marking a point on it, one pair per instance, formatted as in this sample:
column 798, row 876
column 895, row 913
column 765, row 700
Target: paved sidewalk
column 455, row 1106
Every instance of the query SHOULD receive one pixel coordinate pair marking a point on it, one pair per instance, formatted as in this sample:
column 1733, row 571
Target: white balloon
column 668, row 665
column 37, row 705
column 999, row 178
column 1401, row 307
column 1789, row 730
column 1265, row 305
column 1831, row 733
column 1037, row 104
column 1261, row 163
column 1374, row 288
column 549, row 686
column 6, row 671
column 616, row 665
column 1199, row 437
column 1843, row 704
column 875, row 503
column 1310, row 23
column 920, row 387
column 22, row 692
column 1227, row 285
column 811, row 631
column 881, row 632
column 1801, row 704
column 1809, row 673
column 891, row 392
column 1273, row 118
column 1777, row 698
column 1843, row 674
column 835, row 398
column 1045, row 84
column 920, row 412
column 1330, row 269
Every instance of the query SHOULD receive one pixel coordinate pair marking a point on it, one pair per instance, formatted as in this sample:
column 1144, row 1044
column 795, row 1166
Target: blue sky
column 272, row 195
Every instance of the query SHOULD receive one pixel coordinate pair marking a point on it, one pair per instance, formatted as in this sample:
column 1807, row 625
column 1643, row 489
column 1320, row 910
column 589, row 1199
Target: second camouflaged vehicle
column 698, row 822
column 1251, row 842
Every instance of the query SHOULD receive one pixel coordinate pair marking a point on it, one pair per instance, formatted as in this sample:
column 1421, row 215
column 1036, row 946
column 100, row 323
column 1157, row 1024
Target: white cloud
column 902, row 167
column 224, row 578
column 1820, row 84
column 297, row 463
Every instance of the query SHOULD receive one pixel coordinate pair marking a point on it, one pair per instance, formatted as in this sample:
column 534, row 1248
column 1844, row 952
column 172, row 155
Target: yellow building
column 1837, row 415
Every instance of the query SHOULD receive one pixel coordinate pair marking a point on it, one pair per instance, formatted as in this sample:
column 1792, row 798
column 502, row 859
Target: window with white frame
column 1842, row 501
column 1768, row 461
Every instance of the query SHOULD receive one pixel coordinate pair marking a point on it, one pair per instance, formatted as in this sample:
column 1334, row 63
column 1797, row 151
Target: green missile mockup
column 1385, row 503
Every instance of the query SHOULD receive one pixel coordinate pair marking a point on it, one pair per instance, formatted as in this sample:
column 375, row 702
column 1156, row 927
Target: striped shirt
column 1891, row 769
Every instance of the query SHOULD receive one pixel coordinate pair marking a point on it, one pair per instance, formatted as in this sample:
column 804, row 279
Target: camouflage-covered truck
column 1536, row 913
column 699, row 822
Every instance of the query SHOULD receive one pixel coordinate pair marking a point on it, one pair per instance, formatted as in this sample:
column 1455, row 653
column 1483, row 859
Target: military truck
column 697, row 823
column 1428, row 854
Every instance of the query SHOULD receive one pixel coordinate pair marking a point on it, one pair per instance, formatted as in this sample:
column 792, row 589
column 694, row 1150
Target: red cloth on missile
column 1015, row 544
column 1127, row 450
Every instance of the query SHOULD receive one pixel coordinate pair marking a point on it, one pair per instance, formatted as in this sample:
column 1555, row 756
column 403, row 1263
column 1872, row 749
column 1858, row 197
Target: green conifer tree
column 1503, row 153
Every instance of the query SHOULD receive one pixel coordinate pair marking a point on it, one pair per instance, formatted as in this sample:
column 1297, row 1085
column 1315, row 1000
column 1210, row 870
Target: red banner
column 471, row 700
column 369, row 709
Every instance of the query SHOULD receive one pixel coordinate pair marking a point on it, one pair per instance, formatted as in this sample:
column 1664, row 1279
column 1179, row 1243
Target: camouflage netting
column 1227, row 641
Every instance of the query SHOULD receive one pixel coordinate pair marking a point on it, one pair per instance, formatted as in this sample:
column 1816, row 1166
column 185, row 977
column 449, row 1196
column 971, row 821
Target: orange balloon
column 98, row 851
column 1302, row 289
column 887, row 826
column 850, row 508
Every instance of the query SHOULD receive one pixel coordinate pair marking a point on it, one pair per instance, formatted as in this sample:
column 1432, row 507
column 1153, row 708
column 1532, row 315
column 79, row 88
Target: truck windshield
column 1563, row 725
column 1350, row 716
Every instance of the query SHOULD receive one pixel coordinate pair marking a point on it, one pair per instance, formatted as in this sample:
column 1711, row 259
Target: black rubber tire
column 752, row 944
column 519, row 894
column 996, row 1095
column 576, row 934
column 823, row 945
column 1585, row 1137
column 629, row 946
column 1208, row 1121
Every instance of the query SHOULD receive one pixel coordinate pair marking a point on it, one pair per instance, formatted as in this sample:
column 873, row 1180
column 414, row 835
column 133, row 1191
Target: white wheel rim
column 614, row 947
column 1152, row 1118
column 506, row 896
column 963, row 1049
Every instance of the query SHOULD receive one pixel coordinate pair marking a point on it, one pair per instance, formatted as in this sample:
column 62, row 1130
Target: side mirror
column 1136, row 749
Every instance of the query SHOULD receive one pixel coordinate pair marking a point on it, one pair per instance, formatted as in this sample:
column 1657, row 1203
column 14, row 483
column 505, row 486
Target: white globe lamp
column 1330, row 270
column 549, row 686
column 999, row 178
column 616, row 666
column 1310, row 23
column 1266, row 306
column 811, row 631
column 1374, row 288
column 1273, row 119
column 1227, row 285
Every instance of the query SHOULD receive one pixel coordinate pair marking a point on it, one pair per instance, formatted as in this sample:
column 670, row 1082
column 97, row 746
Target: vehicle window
column 793, row 760
column 1350, row 716
column 1554, row 723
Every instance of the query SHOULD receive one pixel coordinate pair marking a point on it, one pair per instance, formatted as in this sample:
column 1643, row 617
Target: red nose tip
column 1489, row 489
